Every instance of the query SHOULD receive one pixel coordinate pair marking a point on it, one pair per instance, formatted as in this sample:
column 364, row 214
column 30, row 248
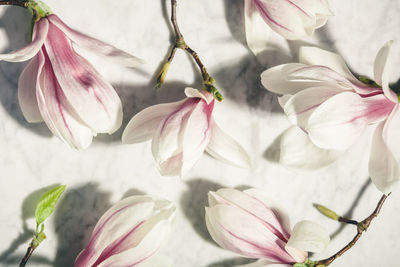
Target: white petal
column 297, row 151
column 257, row 31
column 317, row 56
column 308, row 236
column 96, row 46
column 56, row 110
column 39, row 35
column 27, row 91
column 226, row 149
column 299, row 107
column 384, row 166
column 382, row 68
column 338, row 122
column 194, row 93
column 294, row 77
column 143, row 125
column 91, row 96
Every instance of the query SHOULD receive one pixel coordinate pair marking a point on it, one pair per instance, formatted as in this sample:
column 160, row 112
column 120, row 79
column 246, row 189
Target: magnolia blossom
column 129, row 233
column 292, row 19
column 181, row 131
column 62, row 88
column 333, row 108
column 249, row 224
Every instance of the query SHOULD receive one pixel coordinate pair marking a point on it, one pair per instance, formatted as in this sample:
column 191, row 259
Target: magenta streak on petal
column 99, row 228
column 272, row 253
column 188, row 102
column 373, row 93
column 113, row 247
column 57, row 88
column 265, row 13
column 299, row 8
column 79, row 65
column 269, row 226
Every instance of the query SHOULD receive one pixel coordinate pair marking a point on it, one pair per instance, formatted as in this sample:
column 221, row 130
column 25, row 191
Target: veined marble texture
column 108, row 171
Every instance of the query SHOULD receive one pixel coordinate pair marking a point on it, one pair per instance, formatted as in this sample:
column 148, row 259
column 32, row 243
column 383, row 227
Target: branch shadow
column 28, row 211
column 350, row 211
column 15, row 21
column 231, row 262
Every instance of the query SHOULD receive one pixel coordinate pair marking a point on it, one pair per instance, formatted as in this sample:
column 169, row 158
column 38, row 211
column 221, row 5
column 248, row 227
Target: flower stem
column 361, row 227
column 27, row 256
column 181, row 44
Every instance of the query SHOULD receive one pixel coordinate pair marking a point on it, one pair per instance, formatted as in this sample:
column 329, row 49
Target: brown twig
column 181, row 44
column 27, row 256
column 361, row 227
column 14, row 3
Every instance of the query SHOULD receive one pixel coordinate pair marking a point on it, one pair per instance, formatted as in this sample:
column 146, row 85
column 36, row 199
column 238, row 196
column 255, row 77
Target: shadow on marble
column 28, row 211
column 75, row 217
column 354, row 204
column 231, row 262
column 15, row 21
column 273, row 152
column 195, row 199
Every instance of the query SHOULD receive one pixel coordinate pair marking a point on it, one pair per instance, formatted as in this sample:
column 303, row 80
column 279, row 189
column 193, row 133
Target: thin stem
column 14, row 3
column 361, row 227
column 181, row 44
column 348, row 221
column 27, row 256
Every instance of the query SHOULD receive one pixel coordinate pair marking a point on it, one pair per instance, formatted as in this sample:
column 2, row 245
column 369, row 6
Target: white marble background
column 32, row 159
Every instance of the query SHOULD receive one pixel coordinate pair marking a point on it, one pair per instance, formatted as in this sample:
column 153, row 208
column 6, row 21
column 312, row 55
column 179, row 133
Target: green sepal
column 38, row 9
column 368, row 81
column 47, row 202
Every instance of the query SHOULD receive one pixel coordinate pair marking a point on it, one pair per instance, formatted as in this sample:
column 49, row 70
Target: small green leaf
column 47, row 202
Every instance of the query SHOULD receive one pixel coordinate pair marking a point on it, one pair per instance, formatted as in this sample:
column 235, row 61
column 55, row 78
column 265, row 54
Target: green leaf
column 46, row 204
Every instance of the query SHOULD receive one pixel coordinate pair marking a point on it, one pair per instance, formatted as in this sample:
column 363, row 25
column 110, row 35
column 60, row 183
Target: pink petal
column 27, row 91
column 96, row 46
column 340, row 120
column 93, row 99
column 197, row 134
column 39, row 35
column 56, row 110
column 144, row 124
column 236, row 230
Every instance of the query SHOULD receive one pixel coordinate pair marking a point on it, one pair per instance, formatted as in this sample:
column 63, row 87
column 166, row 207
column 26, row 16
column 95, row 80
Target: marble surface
column 31, row 159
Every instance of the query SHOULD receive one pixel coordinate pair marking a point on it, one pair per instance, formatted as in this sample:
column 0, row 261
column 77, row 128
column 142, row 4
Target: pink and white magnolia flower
column 182, row 131
column 129, row 233
column 333, row 108
column 292, row 19
column 62, row 88
column 251, row 225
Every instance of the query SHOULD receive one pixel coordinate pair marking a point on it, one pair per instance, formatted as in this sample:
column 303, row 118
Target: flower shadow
column 231, row 262
column 16, row 23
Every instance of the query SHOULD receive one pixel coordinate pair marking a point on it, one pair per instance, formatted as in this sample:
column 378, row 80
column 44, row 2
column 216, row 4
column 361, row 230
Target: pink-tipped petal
column 297, row 151
column 27, row 91
column 93, row 99
column 257, row 31
column 235, row 230
column 226, row 149
column 144, row 124
column 194, row 93
column 95, row 45
column 56, row 110
column 39, row 35
column 384, row 167
column 340, row 120
column 197, row 134
column 382, row 68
